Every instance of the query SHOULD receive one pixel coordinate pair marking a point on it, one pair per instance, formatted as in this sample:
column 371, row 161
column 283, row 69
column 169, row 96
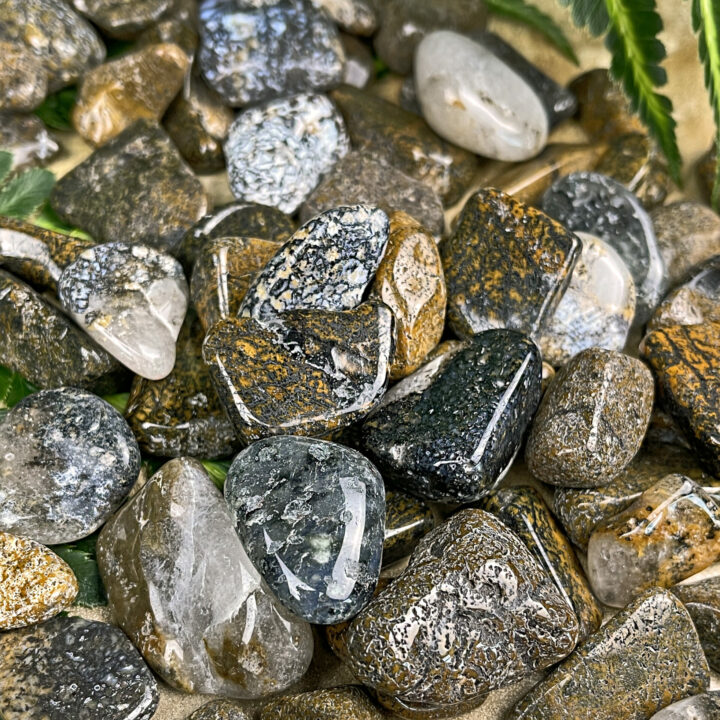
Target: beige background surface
column 695, row 132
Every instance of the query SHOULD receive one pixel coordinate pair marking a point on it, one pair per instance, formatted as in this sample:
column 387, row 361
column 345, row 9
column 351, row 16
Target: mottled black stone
column 407, row 519
column 450, row 431
column 702, row 600
column 73, row 668
column 311, row 516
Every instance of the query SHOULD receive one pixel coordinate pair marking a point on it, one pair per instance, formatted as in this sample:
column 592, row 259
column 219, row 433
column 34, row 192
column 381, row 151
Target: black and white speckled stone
column 699, row 707
column 252, row 51
column 326, row 265
column 73, row 668
column 132, row 300
column 277, row 152
column 599, row 205
column 219, row 710
column 67, row 461
column 311, row 516
column 702, row 600
column 450, row 431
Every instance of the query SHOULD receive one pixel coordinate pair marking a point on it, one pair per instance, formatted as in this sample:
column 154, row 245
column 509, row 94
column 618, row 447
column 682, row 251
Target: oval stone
column 702, row 600
column 341, row 703
column 698, row 707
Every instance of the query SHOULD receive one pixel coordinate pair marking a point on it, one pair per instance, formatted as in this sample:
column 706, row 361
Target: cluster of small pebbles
column 472, row 426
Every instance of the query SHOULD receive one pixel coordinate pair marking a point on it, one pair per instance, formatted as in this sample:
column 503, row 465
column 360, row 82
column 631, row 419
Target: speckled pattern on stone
column 23, row 77
column 341, row 703
column 27, row 139
column 702, row 600
column 698, row 707
column 506, row 265
column 278, row 152
column 73, row 668
column 326, row 265
column 407, row 519
column 138, row 177
column 311, row 516
column 591, row 421
column 124, row 20
column 219, row 710
column 252, row 51
column 67, row 461
column 706, row 171
column 359, row 17
column 189, row 598
column 450, row 431
column 472, row 612
column 308, row 372
column 644, row 658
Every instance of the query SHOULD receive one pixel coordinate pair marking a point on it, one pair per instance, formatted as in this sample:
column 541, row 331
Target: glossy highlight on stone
column 407, row 519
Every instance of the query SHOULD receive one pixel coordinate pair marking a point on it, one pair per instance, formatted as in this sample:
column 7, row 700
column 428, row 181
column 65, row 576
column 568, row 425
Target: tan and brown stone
column 341, row 703
column 706, row 172
column 23, row 78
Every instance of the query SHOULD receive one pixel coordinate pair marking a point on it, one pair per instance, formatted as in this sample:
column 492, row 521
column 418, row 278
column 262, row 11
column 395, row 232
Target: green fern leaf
column 530, row 15
column 81, row 556
column 6, row 161
column 217, row 470
column 591, row 14
column 706, row 23
column 13, row 388
column 23, row 194
column 119, row 401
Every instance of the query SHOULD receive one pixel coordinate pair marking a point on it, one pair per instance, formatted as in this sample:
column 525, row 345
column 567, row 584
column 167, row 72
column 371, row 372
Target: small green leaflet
column 530, row 15
column 217, row 470
column 13, row 388
column 6, row 160
column 47, row 218
column 55, row 109
column 82, row 559
column 23, row 194
column 119, row 401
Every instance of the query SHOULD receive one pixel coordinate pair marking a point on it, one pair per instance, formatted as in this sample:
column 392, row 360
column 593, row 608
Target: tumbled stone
column 644, row 658
column 341, row 703
column 358, row 17
column 250, row 52
column 326, row 265
column 410, row 281
column 359, row 69
column 140, row 177
column 523, row 510
column 307, row 372
column 181, row 414
column 132, row 300
column 701, row 598
column 45, row 346
column 399, row 707
column 277, row 152
column 404, row 23
column 27, row 139
column 596, row 310
column 591, row 421
column 124, row 20
column 35, row 584
column 311, row 516
column 450, row 431
column 506, row 265
column 468, row 94
column 360, row 178
column 218, row 710
column 684, row 359
column 188, row 597
column 223, row 273
column 599, row 205
column 384, row 131
column 23, row 77
column 635, row 161
column 198, row 122
column 67, row 44
column 698, row 707
column 407, row 519
column 472, row 612
column 67, row 461
column 688, row 234
column 582, row 510
column 706, row 172
column 177, row 26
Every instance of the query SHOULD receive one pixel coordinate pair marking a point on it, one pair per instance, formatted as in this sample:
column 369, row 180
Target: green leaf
column 23, row 194
column 81, row 557
column 119, row 401
column 380, row 68
column 56, row 108
column 706, row 23
column 48, row 218
column 13, row 388
column 536, row 19
column 6, row 160
column 217, row 470
column 591, row 14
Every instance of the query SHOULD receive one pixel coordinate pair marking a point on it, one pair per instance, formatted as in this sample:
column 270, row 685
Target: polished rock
column 407, row 519
column 27, row 139
column 698, row 707
column 341, row 703
column 219, row 710
column 702, row 600
column 23, row 78
column 124, row 20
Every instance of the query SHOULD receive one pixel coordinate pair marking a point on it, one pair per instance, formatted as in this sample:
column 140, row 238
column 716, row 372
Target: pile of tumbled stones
column 526, row 403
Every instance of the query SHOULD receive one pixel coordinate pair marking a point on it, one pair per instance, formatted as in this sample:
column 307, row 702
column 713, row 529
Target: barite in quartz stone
column 67, row 461
column 599, row 205
column 358, row 17
column 308, row 372
column 596, row 310
column 450, row 431
column 277, row 152
column 470, row 96
column 702, row 600
column 404, row 23
column 311, row 517
column 523, row 510
column 326, row 265
column 340, row 703
column 386, row 132
column 27, row 139
column 581, row 510
column 410, row 281
column 591, row 421
column 45, row 346
column 139, row 177
column 472, row 612
column 124, row 20
column 223, row 272
column 188, row 597
column 359, row 69
column 181, row 414
column 699, row 707
column 253, row 51
column 360, row 178
column 506, row 265
column 138, row 85
column 35, row 584
column 407, row 519
column 69, row 667
column 684, row 359
column 66, row 43
column 23, row 77
column 132, row 300
column 688, row 234
column 669, row 533
column 643, row 659
column 219, row 710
